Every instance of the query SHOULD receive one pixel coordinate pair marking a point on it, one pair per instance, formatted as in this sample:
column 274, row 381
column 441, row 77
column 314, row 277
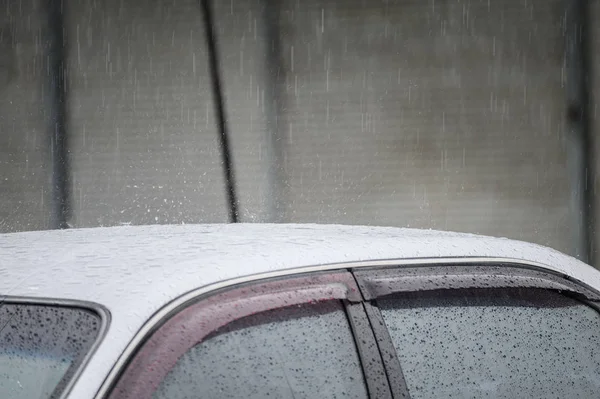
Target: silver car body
column 137, row 273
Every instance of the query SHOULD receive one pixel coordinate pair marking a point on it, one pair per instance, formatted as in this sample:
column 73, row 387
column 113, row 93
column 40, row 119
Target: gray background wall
column 445, row 114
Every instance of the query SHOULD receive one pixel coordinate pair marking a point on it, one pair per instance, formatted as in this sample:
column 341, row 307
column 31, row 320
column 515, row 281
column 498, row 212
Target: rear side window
column 303, row 351
column 503, row 343
column 41, row 347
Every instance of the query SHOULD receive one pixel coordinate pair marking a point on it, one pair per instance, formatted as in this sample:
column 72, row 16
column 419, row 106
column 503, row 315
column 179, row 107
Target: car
column 292, row 311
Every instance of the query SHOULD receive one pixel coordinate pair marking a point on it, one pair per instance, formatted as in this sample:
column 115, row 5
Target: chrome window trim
column 102, row 312
column 182, row 300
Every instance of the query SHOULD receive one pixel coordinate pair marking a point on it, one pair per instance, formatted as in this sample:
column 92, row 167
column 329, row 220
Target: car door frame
column 386, row 350
column 380, row 281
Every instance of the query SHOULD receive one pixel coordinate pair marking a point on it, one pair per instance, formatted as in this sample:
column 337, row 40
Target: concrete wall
column 595, row 99
column 23, row 181
column 440, row 114
column 445, row 114
column 145, row 143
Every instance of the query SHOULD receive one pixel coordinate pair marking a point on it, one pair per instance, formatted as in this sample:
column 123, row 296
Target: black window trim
column 381, row 281
column 388, row 353
column 369, row 352
column 105, row 318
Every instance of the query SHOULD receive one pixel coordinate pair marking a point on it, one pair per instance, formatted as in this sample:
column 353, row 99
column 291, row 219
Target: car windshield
column 41, row 348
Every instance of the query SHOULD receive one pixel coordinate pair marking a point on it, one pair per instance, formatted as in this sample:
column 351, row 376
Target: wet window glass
column 41, row 347
column 296, row 352
column 495, row 343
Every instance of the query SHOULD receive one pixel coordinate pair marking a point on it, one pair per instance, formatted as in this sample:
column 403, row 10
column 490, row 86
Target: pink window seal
column 190, row 326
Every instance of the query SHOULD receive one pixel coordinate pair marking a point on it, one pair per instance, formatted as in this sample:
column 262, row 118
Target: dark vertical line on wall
column 579, row 138
column 274, row 109
column 57, row 105
column 219, row 103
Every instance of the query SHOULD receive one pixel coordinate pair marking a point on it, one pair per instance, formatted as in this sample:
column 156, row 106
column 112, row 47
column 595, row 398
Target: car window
column 41, row 347
column 304, row 351
column 501, row 343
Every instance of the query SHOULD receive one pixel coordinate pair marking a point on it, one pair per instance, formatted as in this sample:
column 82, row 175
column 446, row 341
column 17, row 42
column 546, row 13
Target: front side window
column 303, row 351
column 41, row 347
column 501, row 343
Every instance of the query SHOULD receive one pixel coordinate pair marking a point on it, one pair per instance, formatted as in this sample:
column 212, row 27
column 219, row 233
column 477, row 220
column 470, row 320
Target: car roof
column 133, row 271
column 97, row 264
